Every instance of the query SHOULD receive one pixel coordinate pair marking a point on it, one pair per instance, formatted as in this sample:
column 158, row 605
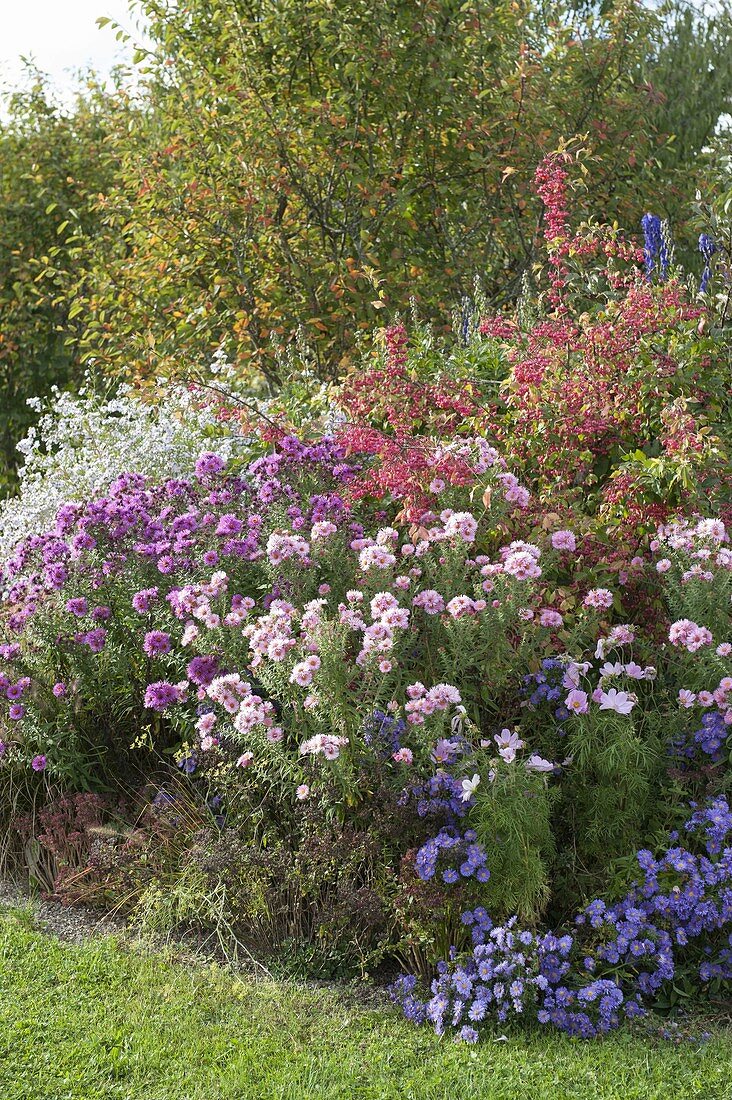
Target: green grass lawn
column 105, row 1022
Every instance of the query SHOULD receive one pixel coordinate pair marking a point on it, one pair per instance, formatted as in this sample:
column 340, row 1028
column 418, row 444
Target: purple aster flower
column 38, row 763
column 156, row 643
column 77, row 606
column 159, row 696
column 229, row 525
column 96, row 639
column 202, row 670
column 208, row 465
column 143, row 600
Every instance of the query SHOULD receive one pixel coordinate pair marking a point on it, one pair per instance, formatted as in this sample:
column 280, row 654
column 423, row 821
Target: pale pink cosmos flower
column 403, row 756
column 635, row 671
column 245, row 760
column 619, row 701
column 302, row 792
column 469, row 786
column 577, row 701
column 537, row 763
column 508, row 745
column 686, row 698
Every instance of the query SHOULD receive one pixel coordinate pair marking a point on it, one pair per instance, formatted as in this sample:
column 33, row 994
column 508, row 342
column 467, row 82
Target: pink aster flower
column 599, row 598
column 550, row 618
column 431, row 602
column 301, row 675
column 564, row 540
column 462, row 525
column 522, row 565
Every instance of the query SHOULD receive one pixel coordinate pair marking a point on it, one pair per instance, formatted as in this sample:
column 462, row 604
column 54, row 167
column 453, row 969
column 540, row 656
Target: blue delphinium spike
column 651, row 225
column 707, row 247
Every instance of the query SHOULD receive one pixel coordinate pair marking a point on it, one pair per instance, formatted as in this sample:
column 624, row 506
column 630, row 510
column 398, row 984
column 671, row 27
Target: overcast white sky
column 61, row 36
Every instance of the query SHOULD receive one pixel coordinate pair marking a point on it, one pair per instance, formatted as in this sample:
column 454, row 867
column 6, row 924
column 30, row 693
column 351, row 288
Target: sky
column 61, row 36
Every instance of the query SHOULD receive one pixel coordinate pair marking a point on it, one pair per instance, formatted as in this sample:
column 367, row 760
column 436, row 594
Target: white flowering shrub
column 83, row 441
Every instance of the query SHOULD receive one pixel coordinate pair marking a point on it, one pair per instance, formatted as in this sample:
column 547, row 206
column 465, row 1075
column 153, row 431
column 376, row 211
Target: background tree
column 52, row 167
column 319, row 163
column 316, row 162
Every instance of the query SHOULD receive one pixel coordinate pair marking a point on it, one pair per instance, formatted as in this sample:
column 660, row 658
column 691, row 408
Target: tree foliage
column 52, row 166
column 319, row 163
column 313, row 163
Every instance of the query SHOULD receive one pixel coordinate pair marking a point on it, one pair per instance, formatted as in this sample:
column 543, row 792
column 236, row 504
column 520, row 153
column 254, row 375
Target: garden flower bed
column 435, row 680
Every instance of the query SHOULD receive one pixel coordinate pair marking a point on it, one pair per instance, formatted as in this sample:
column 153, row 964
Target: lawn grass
column 105, row 1022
